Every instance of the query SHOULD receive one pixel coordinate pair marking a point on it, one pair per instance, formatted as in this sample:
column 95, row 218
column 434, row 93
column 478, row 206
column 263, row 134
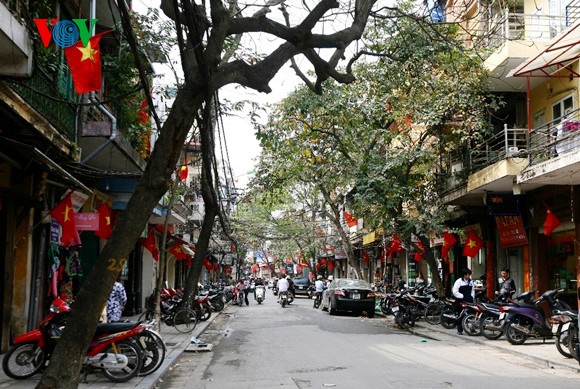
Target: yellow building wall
column 552, row 90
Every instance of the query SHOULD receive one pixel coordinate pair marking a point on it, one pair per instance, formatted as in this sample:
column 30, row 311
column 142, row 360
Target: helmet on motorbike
column 319, row 277
column 330, row 278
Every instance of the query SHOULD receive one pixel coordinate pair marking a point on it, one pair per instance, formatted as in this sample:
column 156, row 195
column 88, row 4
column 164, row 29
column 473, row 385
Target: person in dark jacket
column 505, row 284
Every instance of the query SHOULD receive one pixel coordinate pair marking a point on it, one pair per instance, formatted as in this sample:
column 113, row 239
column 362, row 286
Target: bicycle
column 183, row 319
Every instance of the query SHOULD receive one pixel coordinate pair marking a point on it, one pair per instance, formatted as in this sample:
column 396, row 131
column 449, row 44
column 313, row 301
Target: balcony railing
column 39, row 92
column 19, row 8
column 555, row 138
column 508, row 143
column 510, row 26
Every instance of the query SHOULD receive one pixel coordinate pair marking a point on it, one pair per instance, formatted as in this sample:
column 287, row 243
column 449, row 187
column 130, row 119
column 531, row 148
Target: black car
column 347, row 294
column 302, row 286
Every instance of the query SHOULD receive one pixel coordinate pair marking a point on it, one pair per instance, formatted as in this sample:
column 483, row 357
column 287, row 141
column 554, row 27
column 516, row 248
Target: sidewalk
column 175, row 341
column 537, row 350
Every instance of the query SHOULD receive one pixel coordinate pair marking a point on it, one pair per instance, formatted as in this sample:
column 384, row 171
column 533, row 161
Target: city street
column 266, row 346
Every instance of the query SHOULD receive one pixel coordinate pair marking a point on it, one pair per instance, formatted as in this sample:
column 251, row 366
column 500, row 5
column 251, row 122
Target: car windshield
column 350, row 283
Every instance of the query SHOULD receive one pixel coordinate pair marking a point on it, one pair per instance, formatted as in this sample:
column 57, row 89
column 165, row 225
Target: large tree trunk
column 66, row 362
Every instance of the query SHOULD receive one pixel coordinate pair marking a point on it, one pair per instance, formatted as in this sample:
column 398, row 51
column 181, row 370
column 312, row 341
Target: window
column 562, row 108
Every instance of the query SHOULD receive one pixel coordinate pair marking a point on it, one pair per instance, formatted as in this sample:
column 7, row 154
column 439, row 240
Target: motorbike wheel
column 153, row 352
column 185, row 320
column 146, row 316
column 133, row 353
column 23, row 360
column 448, row 318
column 386, row 306
column 317, row 302
column 400, row 320
column 206, row 313
column 290, row 298
column 573, row 341
column 433, row 313
column 471, row 325
column 488, row 333
column 513, row 336
column 283, row 303
column 218, row 305
column 562, row 339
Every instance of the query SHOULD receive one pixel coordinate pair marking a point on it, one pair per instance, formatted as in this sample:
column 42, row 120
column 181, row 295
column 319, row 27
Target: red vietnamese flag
column 105, row 227
column 177, row 251
column 419, row 254
column 64, row 215
column 150, row 243
column 183, row 171
column 472, row 244
column 330, row 265
column 551, row 222
column 395, row 246
column 85, row 64
column 365, row 256
column 448, row 241
column 351, row 221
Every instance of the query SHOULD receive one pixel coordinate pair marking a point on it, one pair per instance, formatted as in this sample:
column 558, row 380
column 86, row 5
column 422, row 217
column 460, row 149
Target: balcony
column 511, row 39
column 490, row 166
column 553, row 152
column 15, row 43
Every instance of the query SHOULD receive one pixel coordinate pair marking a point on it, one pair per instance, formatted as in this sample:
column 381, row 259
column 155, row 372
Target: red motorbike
column 111, row 350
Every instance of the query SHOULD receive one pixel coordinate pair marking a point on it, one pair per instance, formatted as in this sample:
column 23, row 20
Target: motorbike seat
column 113, row 328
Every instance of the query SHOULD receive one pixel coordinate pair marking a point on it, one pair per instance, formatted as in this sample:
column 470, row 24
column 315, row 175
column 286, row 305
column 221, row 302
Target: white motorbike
column 260, row 293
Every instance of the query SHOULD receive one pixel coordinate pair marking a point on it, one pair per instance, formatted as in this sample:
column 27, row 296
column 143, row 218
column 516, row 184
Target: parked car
column 347, row 294
column 302, row 286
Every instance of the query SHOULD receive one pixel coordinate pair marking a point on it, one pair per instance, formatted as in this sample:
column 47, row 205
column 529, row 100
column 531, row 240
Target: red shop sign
column 511, row 231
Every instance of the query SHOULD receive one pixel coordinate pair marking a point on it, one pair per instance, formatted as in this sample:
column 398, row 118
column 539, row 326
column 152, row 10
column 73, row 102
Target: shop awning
column 561, row 52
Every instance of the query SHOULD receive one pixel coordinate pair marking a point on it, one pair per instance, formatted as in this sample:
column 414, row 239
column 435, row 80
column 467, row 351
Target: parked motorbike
column 201, row 307
column 561, row 322
column 523, row 321
column 402, row 309
column 260, row 293
column 490, row 325
column 113, row 348
column 153, row 347
column 450, row 314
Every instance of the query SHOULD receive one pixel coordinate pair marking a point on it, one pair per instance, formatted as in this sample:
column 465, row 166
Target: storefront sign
column 87, row 221
column 369, row 238
column 503, row 204
column 511, row 231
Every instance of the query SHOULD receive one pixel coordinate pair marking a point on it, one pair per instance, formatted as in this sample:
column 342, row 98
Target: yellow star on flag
column 88, row 52
column 66, row 214
column 108, row 219
column 471, row 243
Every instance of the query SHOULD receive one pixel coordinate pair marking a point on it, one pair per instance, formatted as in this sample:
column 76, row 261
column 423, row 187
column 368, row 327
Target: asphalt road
column 267, row 346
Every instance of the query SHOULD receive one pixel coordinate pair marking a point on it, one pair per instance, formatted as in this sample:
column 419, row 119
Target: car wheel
column 331, row 309
column 370, row 314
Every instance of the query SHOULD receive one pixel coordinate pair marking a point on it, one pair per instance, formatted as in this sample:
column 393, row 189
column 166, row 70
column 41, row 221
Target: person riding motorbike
column 282, row 287
column 318, row 289
column 258, row 282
